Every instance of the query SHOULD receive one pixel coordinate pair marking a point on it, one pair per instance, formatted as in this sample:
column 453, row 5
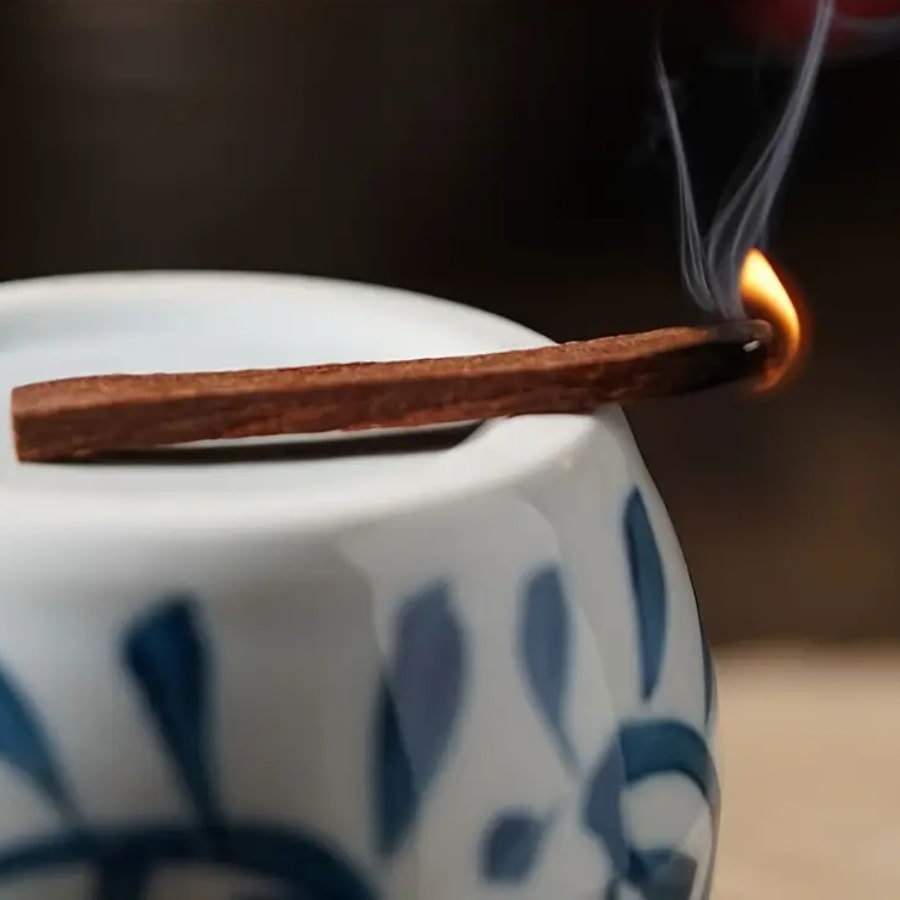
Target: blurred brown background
column 505, row 153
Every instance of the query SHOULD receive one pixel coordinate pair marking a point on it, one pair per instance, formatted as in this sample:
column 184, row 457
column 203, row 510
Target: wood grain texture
column 81, row 417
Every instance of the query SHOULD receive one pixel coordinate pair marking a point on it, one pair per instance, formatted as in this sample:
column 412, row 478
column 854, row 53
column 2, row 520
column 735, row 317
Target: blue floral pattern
column 648, row 584
column 168, row 658
column 640, row 749
column 546, row 652
column 166, row 655
column 418, row 706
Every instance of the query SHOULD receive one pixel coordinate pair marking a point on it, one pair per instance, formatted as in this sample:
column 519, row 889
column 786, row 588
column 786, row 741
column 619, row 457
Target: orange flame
column 765, row 297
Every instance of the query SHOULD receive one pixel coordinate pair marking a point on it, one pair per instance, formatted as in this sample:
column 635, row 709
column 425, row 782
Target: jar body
column 434, row 696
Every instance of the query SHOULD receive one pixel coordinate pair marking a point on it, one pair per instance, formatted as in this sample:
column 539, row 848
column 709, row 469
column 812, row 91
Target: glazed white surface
column 136, row 323
column 296, row 580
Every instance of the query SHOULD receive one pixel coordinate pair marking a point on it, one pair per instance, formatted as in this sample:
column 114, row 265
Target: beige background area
column 811, row 775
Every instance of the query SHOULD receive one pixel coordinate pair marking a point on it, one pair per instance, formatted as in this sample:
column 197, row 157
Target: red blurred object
column 783, row 26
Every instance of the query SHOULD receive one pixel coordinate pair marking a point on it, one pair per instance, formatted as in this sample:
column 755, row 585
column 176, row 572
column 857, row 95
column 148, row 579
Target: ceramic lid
column 145, row 322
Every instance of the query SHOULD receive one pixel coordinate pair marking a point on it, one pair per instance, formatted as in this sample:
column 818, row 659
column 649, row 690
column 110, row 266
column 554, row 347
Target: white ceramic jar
column 462, row 673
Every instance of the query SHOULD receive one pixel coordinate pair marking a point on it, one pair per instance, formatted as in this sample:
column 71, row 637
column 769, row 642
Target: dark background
column 505, row 153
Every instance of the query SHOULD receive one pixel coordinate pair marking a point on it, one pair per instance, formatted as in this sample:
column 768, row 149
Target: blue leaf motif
column 667, row 747
column 417, row 709
column 166, row 655
column 25, row 746
column 394, row 783
column 709, row 679
column 664, row 875
column 545, row 649
column 602, row 812
column 649, row 588
column 511, row 847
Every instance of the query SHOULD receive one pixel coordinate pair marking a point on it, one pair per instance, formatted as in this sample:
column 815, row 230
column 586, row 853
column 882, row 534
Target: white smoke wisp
column 711, row 261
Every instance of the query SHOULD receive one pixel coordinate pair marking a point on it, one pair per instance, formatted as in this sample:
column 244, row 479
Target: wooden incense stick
column 77, row 418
